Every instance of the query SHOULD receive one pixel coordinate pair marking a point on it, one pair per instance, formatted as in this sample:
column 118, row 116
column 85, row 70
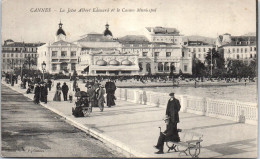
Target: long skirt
column 110, row 99
column 37, row 98
column 101, row 102
column 57, row 96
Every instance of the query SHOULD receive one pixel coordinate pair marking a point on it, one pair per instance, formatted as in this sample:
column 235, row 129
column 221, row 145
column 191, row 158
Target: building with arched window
column 59, row 56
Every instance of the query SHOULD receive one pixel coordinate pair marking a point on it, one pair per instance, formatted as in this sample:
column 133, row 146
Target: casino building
column 102, row 55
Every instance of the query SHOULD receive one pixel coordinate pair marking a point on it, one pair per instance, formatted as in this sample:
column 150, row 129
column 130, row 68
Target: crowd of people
column 98, row 94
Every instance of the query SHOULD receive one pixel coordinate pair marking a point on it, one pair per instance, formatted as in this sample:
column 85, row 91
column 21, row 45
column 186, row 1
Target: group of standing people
column 96, row 92
column 40, row 92
column 64, row 89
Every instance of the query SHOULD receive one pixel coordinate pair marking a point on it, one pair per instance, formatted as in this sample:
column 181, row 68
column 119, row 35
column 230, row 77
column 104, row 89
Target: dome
column 61, row 31
column 126, row 62
column 114, row 62
column 107, row 32
column 101, row 63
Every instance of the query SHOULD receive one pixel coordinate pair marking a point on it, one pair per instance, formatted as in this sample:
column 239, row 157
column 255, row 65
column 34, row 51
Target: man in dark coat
column 65, row 90
column 110, row 90
column 37, row 92
column 171, row 132
column 44, row 93
column 49, row 84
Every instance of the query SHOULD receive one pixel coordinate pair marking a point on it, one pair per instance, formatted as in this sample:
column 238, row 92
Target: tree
column 30, row 61
column 238, row 68
column 217, row 59
column 198, row 68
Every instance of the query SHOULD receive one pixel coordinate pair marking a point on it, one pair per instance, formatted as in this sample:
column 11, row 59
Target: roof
column 96, row 38
column 197, row 43
column 62, row 42
column 9, row 40
column 163, row 30
column 22, row 44
column 133, row 39
column 242, row 41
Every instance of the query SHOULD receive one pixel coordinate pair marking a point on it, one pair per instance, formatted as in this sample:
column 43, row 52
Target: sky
column 191, row 17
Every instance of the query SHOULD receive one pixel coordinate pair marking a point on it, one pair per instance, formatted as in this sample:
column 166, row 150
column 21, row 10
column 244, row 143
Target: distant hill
column 200, row 38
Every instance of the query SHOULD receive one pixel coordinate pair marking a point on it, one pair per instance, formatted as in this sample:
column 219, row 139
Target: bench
column 190, row 143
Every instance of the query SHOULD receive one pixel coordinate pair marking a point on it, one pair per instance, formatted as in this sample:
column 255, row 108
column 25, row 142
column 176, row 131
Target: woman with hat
column 57, row 96
column 100, row 97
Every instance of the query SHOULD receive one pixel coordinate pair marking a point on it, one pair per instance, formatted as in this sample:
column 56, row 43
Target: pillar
column 58, row 67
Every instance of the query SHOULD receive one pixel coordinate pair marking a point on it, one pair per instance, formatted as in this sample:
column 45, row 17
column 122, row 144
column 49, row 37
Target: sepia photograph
column 129, row 78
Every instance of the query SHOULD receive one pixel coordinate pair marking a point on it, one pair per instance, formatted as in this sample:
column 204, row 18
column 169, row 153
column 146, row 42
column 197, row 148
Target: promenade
column 133, row 128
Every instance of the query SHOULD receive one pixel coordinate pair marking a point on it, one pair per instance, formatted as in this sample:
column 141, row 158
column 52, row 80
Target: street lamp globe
column 43, row 65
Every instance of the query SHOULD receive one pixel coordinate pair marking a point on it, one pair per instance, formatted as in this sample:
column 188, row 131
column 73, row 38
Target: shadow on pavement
column 231, row 148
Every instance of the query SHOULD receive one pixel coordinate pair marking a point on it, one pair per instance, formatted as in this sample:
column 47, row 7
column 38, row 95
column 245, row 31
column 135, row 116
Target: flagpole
column 211, row 63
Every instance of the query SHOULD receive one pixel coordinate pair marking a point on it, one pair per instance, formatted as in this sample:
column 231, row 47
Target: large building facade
column 102, row 55
column 237, row 47
column 199, row 50
column 17, row 55
column 159, row 52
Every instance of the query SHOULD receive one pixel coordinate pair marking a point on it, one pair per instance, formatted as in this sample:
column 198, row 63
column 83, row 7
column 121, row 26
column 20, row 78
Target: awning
column 114, row 68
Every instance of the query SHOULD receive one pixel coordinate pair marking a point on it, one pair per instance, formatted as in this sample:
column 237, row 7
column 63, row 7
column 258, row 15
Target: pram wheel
column 86, row 111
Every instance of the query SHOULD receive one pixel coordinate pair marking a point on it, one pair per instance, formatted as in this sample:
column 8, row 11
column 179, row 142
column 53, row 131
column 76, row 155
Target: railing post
column 204, row 109
column 135, row 96
column 184, row 103
column 236, row 112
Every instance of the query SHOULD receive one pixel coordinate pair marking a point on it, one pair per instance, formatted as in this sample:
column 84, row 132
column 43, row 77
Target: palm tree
column 30, row 61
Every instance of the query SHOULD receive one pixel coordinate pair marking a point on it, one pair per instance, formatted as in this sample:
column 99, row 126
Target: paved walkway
column 44, row 133
column 134, row 128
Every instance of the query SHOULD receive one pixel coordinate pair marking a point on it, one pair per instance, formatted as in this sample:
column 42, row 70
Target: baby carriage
column 82, row 107
column 30, row 88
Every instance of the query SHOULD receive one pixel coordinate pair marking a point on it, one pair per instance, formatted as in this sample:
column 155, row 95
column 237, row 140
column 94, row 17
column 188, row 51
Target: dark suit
column 172, row 110
column 171, row 133
column 65, row 90
column 37, row 93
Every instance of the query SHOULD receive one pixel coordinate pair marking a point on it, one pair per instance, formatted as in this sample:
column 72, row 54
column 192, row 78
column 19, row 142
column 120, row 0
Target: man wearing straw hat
column 172, row 118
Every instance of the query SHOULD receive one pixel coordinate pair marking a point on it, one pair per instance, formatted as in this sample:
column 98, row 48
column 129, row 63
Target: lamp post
column 12, row 65
column 211, row 62
column 43, row 69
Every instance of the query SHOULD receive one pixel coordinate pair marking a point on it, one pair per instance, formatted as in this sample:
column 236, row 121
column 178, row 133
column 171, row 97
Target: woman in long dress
column 57, row 96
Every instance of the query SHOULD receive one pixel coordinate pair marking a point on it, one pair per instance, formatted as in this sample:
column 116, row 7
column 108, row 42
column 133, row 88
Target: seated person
column 170, row 134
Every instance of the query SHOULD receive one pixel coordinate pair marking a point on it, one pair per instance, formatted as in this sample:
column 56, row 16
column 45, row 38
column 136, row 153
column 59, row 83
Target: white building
column 198, row 49
column 16, row 55
column 238, row 47
column 159, row 52
column 60, row 56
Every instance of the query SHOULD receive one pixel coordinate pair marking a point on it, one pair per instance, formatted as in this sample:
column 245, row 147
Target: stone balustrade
column 243, row 112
